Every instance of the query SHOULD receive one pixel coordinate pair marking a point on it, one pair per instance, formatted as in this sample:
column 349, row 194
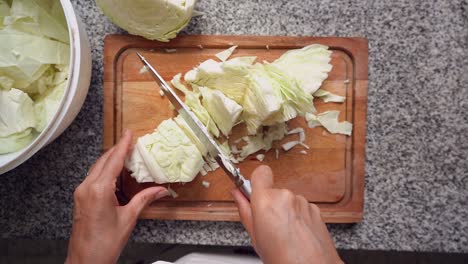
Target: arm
column 101, row 227
column 284, row 227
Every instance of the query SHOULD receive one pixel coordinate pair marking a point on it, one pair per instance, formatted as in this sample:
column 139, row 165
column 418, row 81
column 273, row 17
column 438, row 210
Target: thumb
column 245, row 212
column 143, row 199
column 262, row 178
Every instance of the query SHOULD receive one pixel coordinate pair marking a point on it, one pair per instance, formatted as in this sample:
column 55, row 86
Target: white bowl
column 73, row 98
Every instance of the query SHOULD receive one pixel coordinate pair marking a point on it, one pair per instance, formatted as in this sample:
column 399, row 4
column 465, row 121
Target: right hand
column 284, row 227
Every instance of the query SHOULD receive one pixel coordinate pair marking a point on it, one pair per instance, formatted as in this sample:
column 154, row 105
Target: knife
column 201, row 132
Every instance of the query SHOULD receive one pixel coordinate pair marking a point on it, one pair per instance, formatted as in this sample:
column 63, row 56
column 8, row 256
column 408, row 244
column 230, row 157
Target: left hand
column 101, row 227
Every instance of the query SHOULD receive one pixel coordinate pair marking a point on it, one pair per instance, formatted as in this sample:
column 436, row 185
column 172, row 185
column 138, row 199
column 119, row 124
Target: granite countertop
column 416, row 194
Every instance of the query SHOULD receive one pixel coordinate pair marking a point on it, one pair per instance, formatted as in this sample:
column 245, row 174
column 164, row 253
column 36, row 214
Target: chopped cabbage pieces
column 329, row 120
column 327, row 96
column 225, row 54
column 17, row 119
column 34, row 58
column 263, row 96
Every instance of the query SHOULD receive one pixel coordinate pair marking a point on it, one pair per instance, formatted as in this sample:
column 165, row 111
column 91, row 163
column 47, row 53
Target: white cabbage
column 137, row 166
column 188, row 131
column 168, row 153
column 153, row 19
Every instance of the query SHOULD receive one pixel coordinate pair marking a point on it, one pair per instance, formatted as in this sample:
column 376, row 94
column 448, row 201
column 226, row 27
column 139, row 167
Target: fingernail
column 161, row 194
column 126, row 131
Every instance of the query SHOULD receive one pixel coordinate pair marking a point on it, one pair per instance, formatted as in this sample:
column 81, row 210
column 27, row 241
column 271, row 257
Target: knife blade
column 201, row 132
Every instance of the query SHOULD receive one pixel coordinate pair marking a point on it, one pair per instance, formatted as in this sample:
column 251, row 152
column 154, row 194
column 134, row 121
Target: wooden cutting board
column 330, row 175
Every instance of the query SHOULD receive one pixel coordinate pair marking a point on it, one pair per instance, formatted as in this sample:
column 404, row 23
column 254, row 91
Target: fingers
column 96, row 169
column 262, row 178
column 245, row 212
column 114, row 164
column 143, row 199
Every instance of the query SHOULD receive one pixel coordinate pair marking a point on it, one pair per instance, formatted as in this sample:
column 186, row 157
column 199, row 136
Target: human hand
column 101, row 227
column 283, row 227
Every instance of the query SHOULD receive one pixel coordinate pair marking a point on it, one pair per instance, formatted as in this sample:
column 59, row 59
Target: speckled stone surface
column 417, row 145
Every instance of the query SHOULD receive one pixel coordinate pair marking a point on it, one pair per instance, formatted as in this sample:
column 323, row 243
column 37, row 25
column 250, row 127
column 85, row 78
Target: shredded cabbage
column 329, row 120
column 4, row 11
column 254, row 144
column 224, row 111
column 47, row 104
column 327, row 96
column 16, row 112
column 34, row 58
column 260, row 157
column 275, row 132
column 206, row 184
column 43, row 18
column 17, row 141
column 192, row 100
column 289, row 145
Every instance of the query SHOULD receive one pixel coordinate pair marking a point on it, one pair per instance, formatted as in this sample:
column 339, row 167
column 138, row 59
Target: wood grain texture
column 331, row 175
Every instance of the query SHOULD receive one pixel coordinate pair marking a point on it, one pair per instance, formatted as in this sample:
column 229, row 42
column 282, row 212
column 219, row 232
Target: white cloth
column 206, row 258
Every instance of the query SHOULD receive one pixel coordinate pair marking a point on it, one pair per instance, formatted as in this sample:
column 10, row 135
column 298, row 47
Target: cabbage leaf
column 309, row 66
column 230, row 77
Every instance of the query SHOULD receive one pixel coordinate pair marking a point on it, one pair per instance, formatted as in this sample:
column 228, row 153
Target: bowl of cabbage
column 45, row 71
